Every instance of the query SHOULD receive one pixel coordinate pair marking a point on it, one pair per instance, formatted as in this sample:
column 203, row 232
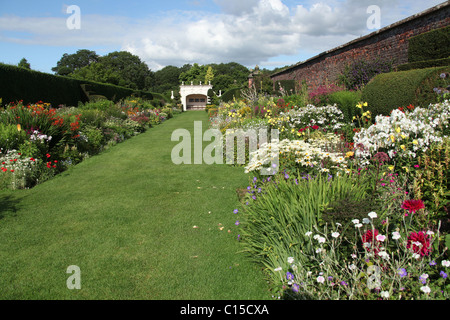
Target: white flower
column 277, row 269
column 290, row 260
column 321, row 240
column 372, row 215
column 358, row 225
column 384, row 255
column 320, row 279
column 380, row 237
column 366, row 221
column 355, row 221
column 425, row 289
column 318, row 250
column 384, row 294
column 308, row 233
column 395, row 235
column 335, row 234
column 416, row 256
column 352, row 267
column 446, row 263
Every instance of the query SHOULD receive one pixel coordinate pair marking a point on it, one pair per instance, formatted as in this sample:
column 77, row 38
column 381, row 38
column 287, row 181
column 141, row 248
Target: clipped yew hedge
column 389, row 91
column 430, row 45
column 32, row 86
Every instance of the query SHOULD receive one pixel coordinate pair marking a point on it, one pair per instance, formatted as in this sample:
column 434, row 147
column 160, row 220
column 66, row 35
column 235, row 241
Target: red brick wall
column 388, row 43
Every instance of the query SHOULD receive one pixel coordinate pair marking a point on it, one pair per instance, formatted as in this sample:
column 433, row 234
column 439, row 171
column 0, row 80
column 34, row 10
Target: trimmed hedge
column 231, row 94
column 424, row 64
column 32, row 86
column 430, row 45
column 389, row 91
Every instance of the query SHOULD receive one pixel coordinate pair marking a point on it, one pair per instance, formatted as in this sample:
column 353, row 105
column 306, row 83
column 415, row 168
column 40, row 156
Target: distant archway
column 194, row 97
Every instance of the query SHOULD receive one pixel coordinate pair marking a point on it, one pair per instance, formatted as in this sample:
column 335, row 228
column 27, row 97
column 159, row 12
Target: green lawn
column 126, row 217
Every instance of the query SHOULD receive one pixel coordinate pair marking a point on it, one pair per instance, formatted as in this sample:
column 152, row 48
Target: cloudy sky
column 268, row 33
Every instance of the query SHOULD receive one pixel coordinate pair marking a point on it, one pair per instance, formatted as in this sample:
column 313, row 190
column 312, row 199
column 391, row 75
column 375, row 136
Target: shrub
column 430, row 45
column 346, row 102
column 390, row 91
column 231, row 94
column 424, row 64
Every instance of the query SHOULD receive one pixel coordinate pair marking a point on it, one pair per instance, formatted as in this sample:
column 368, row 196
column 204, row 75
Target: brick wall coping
column 370, row 35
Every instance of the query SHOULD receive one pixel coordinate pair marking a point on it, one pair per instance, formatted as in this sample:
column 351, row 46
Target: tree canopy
column 125, row 69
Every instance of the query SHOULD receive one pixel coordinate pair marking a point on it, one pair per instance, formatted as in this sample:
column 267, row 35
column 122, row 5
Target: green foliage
column 24, row 64
column 432, row 180
column 346, row 102
column 424, row 64
column 283, row 210
column 32, row 86
column 231, row 94
column 430, row 45
column 69, row 63
column 10, row 137
column 390, row 91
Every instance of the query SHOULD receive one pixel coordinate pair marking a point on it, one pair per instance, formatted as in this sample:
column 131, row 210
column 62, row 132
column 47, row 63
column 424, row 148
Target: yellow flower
column 349, row 154
column 406, row 169
column 403, row 136
column 359, row 105
column 393, row 138
column 403, row 147
column 415, row 142
column 19, row 127
column 391, row 168
column 398, row 129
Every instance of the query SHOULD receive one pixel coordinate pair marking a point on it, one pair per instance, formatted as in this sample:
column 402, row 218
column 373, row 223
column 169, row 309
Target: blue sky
column 268, row 33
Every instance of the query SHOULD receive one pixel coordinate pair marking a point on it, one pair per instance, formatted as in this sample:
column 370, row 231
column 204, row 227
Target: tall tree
column 69, row 63
column 24, row 64
column 209, row 75
column 134, row 72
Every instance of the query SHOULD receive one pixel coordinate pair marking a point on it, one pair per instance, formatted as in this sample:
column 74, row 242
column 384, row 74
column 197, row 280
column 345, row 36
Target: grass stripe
column 126, row 218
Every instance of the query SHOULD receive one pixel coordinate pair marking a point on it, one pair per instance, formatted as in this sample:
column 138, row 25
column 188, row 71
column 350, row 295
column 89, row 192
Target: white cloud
column 245, row 31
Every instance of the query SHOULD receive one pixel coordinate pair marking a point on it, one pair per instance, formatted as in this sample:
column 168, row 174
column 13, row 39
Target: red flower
column 315, row 127
column 48, row 156
column 369, row 239
column 413, row 205
column 419, row 242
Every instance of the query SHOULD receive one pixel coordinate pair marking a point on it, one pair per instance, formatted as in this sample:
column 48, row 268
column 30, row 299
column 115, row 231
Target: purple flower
column 237, row 223
column 443, row 274
column 402, row 272
column 289, row 276
column 235, row 211
column 295, row 287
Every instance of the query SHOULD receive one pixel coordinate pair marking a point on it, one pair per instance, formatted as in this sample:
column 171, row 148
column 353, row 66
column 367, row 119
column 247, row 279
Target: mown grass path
column 126, row 218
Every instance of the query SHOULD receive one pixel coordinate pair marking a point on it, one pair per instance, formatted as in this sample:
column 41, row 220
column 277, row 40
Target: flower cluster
column 382, row 270
column 327, row 116
column 313, row 155
column 404, row 134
